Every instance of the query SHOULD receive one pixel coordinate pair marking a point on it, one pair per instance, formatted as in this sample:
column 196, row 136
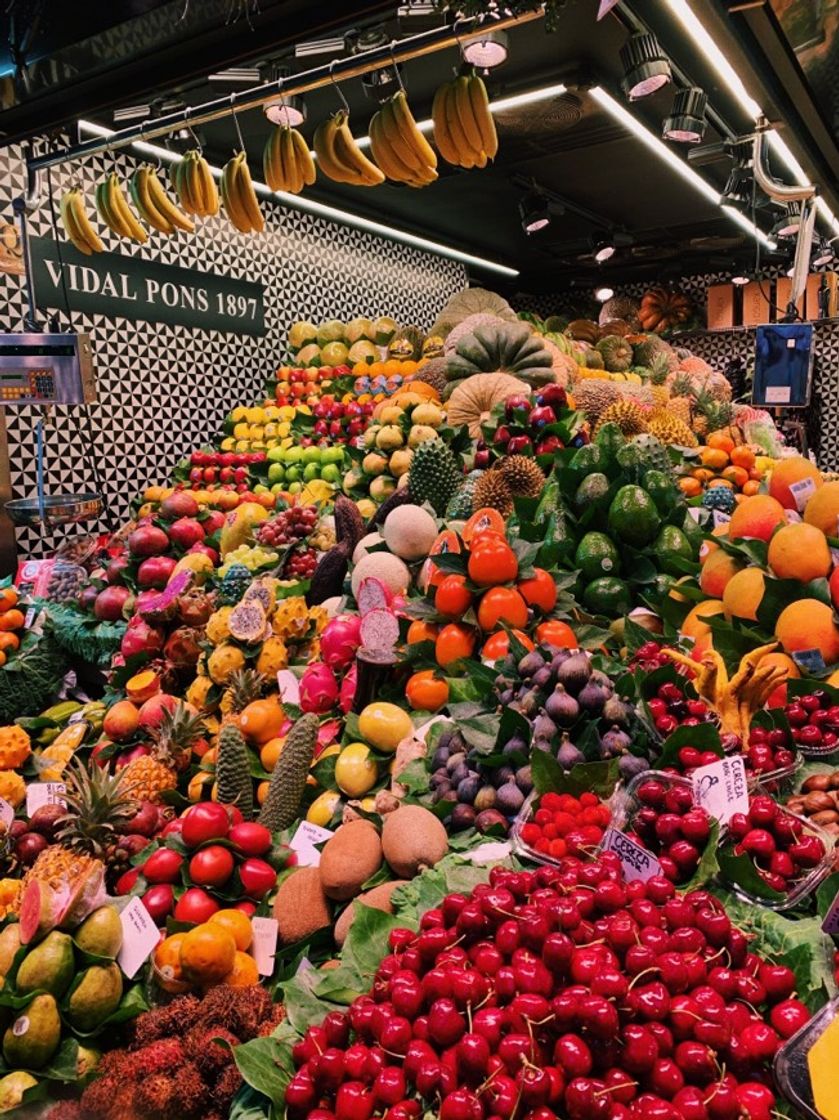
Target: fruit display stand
column 476, row 762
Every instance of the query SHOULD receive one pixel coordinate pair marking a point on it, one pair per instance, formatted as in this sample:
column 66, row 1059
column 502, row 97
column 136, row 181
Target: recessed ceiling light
column 534, row 211
column 686, row 123
column 290, row 111
column 602, row 294
column 740, row 278
column 485, row 50
column 603, row 248
column 645, row 66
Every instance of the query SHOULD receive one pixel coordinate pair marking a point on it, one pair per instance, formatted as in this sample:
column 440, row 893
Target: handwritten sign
column 637, row 862
column 304, row 840
column 140, row 937
column 44, row 793
column 264, row 944
column 721, row 788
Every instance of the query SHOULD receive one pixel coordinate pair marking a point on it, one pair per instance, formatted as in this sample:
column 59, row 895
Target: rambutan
column 240, row 1010
column 227, row 1086
column 99, row 1098
column 64, row 1110
column 206, row 1046
column 157, row 1057
column 164, row 1022
column 153, row 1095
column 190, row 1095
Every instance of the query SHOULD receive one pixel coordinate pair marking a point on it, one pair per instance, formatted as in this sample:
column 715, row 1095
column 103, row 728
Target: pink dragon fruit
column 340, row 639
column 318, row 688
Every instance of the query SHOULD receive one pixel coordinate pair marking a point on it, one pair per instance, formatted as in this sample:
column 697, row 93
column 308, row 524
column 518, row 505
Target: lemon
column 240, row 412
column 241, row 431
column 355, row 770
column 272, row 412
column 283, row 428
column 256, row 431
column 287, row 411
column 270, row 430
column 322, row 809
column 242, row 445
column 255, row 415
column 228, row 443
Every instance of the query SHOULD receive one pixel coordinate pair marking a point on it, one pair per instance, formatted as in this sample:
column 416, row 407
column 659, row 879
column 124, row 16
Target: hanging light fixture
column 486, row 50
column 789, row 222
column 823, row 254
column 602, row 294
column 686, row 123
column 603, row 248
column 646, row 68
column 289, row 111
column 534, row 211
column 740, row 278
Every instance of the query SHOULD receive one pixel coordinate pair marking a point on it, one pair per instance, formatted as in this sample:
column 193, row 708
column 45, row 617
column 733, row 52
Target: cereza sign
column 135, row 288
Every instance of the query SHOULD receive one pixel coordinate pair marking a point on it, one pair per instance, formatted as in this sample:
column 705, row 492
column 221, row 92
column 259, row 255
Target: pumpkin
column 661, row 309
column 563, row 365
column 503, row 347
column 416, row 387
column 475, row 397
column 585, row 330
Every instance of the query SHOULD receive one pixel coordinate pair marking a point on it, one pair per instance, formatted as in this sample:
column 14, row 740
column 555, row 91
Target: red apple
column 519, row 445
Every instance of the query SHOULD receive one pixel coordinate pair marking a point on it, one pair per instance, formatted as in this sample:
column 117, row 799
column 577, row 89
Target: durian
column 628, row 416
column 492, row 491
column 434, row 474
column 594, row 397
column 523, row 476
column 433, row 373
column 670, row 430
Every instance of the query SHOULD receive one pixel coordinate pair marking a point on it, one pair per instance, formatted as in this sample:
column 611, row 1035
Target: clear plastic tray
column 806, row 884
column 775, row 782
column 525, row 815
column 792, row 1072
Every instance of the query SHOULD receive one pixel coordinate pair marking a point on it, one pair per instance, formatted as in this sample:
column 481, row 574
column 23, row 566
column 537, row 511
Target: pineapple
column 712, row 414
column 98, row 808
column 243, row 686
column 659, row 372
column 147, row 777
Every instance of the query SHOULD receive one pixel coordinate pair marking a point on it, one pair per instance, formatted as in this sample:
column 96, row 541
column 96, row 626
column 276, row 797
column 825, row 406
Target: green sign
column 135, row 288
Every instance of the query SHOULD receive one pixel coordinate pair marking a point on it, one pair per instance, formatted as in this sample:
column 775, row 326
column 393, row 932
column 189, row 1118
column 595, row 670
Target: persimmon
column 497, row 645
column 555, row 632
column 453, row 597
column 425, row 692
column 481, row 521
column 422, row 631
column 742, row 457
column 207, row 954
column 8, row 598
column 690, row 487
column 721, row 442
column 492, row 561
column 501, row 604
column 9, row 641
column 12, row 619
column 539, row 591
column 454, row 642
column 262, row 720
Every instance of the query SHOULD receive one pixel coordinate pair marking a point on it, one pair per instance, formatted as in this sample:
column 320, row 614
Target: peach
column 121, row 721
column 151, row 713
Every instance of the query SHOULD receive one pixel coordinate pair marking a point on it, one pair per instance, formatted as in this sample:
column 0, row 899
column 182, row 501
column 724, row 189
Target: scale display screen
column 46, row 369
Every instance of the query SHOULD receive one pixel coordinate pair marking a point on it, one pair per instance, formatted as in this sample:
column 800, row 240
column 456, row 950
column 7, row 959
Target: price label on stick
column 721, row 788
column 44, row 793
column 7, row 813
column 831, row 919
column 637, row 862
column 304, row 842
column 802, row 491
column 264, row 944
column 139, row 937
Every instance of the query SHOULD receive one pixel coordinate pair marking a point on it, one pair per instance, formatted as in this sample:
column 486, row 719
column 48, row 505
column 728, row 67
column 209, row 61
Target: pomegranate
column 207, row 551
column 87, row 597
column 140, row 637
column 185, row 532
column 213, row 521
column 155, row 571
column 111, row 602
column 182, row 647
column 179, row 504
column 147, row 540
column 115, row 571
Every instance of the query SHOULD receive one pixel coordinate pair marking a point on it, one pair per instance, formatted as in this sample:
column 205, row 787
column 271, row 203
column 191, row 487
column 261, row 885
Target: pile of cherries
column 781, row 846
column 814, row 722
column 651, row 656
column 668, row 822
column 565, row 825
column 670, row 708
column 557, row 992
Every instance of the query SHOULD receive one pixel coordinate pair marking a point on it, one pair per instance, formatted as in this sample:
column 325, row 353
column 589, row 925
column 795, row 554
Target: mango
column 12, row 1088
column 9, row 945
column 100, row 933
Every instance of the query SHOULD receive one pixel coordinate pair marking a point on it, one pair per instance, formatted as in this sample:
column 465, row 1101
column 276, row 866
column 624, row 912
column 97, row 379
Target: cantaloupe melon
column 392, row 571
column 409, row 532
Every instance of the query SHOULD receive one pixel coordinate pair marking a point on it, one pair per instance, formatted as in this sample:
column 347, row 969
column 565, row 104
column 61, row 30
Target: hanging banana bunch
column 464, row 130
column 340, row 158
column 115, row 212
column 194, row 185
column 154, row 205
column 287, row 161
column 398, row 146
column 77, row 225
column 238, row 196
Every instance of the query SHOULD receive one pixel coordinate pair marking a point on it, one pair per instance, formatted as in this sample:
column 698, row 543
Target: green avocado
column 633, row 517
column 597, row 556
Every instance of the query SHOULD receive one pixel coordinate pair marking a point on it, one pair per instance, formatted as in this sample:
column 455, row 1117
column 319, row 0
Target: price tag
column 139, row 938
column 778, row 394
column 720, row 518
column 637, row 862
column 7, row 813
column 29, row 619
column 810, row 660
column 491, row 852
column 802, row 491
column 44, row 793
column 831, row 919
column 792, row 516
column 289, row 687
column 721, row 788
column 264, row 944
column 304, row 840
column 695, row 512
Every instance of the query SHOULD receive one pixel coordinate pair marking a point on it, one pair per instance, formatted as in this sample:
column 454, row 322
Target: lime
column 596, row 556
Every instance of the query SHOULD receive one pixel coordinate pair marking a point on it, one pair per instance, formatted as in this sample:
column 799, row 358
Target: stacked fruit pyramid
column 356, row 828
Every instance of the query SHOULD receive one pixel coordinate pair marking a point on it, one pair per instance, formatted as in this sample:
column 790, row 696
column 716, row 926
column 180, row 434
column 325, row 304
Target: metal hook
column 337, row 87
column 199, row 146
column 236, row 122
column 396, row 67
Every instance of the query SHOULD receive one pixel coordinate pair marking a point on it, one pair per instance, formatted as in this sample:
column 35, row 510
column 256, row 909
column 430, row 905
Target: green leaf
column 481, row 732
column 545, row 772
column 549, row 777
column 63, row 1066
column 303, row 1008
column 266, row 1063
column 366, row 942
column 415, row 780
column 741, row 871
column 248, row 1104
column 708, row 865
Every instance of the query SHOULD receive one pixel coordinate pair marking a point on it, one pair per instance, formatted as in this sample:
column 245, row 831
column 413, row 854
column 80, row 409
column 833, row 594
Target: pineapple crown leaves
column 682, row 386
column 97, row 806
column 177, row 731
column 659, row 368
column 244, row 685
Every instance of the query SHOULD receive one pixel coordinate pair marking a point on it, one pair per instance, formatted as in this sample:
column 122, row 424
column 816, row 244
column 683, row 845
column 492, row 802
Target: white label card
column 288, row 686
column 140, row 937
column 695, row 512
column 802, row 491
column 778, row 394
column 30, row 618
column 7, row 813
column 637, row 862
column 721, row 788
column 44, row 793
column 720, row 518
column 492, row 852
column 304, row 840
column 264, row 944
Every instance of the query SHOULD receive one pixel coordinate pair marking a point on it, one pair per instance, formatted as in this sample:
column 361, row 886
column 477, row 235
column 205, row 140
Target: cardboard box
column 755, row 303
column 720, row 298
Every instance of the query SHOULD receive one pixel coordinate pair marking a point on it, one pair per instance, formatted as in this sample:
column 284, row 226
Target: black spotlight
column 686, row 122
column 789, row 222
column 823, row 254
column 534, row 211
column 380, row 85
column 603, row 248
column 646, row 68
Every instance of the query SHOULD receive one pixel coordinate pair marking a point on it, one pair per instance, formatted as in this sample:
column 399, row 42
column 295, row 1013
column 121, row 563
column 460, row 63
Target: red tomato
column 246, row 907
column 492, row 561
column 501, row 604
column 195, row 906
column 258, row 877
column 125, row 883
column 250, row 838
column 162, row 866
column 206, row 821
column 159, row 900
column 540, row 590
column 211, row 866
column 498, row 645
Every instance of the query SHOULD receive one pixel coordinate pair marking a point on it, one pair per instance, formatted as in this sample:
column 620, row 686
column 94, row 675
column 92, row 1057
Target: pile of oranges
column 12, row 621
column 393, row 367
column 723, row 463
column 214, row 952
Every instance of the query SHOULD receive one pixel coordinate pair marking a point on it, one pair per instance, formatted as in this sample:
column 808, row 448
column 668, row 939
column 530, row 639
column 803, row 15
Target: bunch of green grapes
column 254, row 557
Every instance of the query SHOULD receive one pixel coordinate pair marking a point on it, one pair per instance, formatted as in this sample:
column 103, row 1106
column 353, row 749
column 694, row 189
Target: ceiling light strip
column 331, row 213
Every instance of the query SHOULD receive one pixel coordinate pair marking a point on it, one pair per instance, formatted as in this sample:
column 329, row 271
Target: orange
column 751, row 487
column 702, row 474
column 716, row 572
column 555, row 632
column 799, row 551
column 714, row 457
column 425, row 692
column 501, row 604
column 808, row 624
column 690, row 487
column 262, row 792
column 738, row 476
column 743, row 594
column 208, row 953
column 8, row 598
column 778, row 697
column 822, row 510
column 721, row 442
column 270, row 752
column 420, row 631
column 789, row 471
column 717, row 482
column 12, row 619
column 244, row 972
column 237, row 924
column 756, row 518
column 498, row 645
column 9, row 641
column 392, row 367
column 262, row 720
column 705, row 550
column 742, row 457
column 167, row 964
column 454, row 642
column 376, row 369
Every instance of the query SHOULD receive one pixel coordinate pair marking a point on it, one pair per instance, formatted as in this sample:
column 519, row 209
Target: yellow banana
column 351, row 157
column 293, row 176
column 139, row 187
column 407, row 125
column 209, row 190
column 118, row 205
column 164, row 205
column 198, row 188
column 304, row 158
column 247, row 197
column 83, row 222
column 104, row 211
column 229, row 196
column 71, row 228
column 483, row 117
column 442, row 136
column 177, row 174
column 399, row 146
column 271, row 162
column 324, row 145
column 384, row 155
column 465, row 154
column 465, row 116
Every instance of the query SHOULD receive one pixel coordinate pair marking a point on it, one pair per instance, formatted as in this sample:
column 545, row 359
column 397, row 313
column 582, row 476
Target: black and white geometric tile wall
column 164, row 389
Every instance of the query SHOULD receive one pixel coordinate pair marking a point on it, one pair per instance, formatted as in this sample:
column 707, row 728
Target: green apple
column 293, row 474
column 276, row 473
column 275, row 455
column 330, row 472
column 277, row 488
column 310, row 455
column 311, row 471
column 261, row 488
column 332, row 455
